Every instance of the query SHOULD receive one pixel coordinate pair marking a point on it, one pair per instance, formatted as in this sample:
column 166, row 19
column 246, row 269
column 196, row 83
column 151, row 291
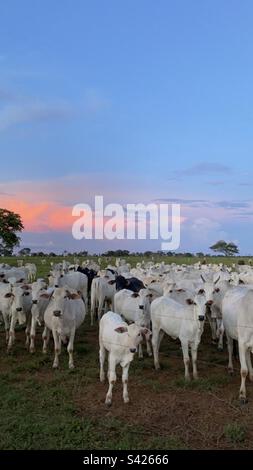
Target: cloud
column 216, row 183
column 31, row 111
column 204, row 230
column 95, row 102
column 205, row 168
column 232, row 204
column 198, row 203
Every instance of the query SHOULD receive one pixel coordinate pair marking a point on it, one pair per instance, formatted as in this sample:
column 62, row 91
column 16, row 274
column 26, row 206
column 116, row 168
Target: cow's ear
column 189, row 301
column 135, row 294
column 121, row 329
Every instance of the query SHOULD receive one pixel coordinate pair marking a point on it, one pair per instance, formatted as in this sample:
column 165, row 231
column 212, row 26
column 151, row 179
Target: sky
column 138, row 101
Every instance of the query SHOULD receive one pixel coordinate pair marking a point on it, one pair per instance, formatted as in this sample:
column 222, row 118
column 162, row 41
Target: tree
column 25, row 252
column 227, row 249
column 10, row 225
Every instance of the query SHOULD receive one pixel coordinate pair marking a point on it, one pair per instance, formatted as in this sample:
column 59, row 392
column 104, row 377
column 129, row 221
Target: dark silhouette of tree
column 10, row 225
column 227, row 249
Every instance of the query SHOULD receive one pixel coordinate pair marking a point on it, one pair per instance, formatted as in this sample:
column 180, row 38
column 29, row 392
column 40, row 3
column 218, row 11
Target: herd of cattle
column 132, row 305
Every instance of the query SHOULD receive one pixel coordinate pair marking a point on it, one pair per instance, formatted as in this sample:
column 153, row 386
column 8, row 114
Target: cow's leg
column 92, row 306
column 149, row 349
column 230, row 355
column 212, row 323
column 70, row 348
column 125, row 383
column 14, row 319
column 100, row 307
column 6, row 326
column 27, row 331
column 102, row 354
column 33, row 334
column 155, row 344
column 194, row 354
column 106, row 306
column 57, row 348
column 244, row 372
column 220, row 335
column 46, row 337
column 161, row 335
column 185, row 349
column 140, row 351
column 249, row 364
column 111, row 378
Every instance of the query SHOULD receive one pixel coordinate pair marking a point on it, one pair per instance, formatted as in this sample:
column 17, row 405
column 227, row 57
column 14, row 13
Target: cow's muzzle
column 57, row 313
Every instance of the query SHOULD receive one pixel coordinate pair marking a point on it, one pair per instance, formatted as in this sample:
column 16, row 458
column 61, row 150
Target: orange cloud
column 41, row 217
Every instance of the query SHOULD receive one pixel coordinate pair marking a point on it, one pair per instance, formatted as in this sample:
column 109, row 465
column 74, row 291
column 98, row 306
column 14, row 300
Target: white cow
column 40, row 299
column 20, row 312
column 20, row 274
column 74, row 280
column 6, row 299
column 31, row 269
column 238, row 324
column 64, row 314
column 185, row 322
column 102, row 294
column 135, row 307
column 121, row 342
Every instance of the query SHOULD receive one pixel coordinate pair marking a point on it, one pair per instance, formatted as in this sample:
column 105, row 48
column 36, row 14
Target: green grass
column 44, row 269
column 202, row 384
column 38, row 416
column 235, row 433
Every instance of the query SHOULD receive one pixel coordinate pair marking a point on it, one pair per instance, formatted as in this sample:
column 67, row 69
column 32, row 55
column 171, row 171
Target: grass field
column 41, row 408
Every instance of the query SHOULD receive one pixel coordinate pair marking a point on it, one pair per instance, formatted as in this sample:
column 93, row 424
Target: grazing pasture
column 42, row 408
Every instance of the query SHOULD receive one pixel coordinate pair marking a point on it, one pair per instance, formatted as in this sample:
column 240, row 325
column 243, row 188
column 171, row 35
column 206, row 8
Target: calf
column 134, row 307
column 64, row 314
column 185, row 322
column 121, row 342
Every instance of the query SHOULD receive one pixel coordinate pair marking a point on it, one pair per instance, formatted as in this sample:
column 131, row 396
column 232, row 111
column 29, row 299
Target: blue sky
column 148, row 99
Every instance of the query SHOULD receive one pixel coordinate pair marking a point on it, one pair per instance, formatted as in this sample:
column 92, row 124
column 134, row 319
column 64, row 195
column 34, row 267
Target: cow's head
column 135, row 335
